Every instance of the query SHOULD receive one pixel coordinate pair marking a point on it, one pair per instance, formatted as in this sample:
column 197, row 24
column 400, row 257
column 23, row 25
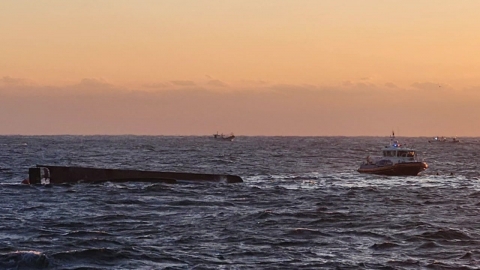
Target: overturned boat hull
column 398, row 169
column 46, row 174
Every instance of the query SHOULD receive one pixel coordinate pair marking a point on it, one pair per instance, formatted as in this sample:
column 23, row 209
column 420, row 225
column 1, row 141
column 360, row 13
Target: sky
column 270, row 67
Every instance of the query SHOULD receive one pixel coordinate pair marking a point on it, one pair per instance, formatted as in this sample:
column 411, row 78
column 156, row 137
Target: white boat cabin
column 397, row 153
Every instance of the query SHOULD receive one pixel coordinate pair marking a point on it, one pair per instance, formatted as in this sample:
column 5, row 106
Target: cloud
column 254, row 82
column 155, row 85
column 391, row 85
column 347, row 84
column 92, row 82
column 217, row 83
column 288, row 87
column 429, row 86
column 362, row 85
column 183, row 83
column 274, row 110
column 12, row 81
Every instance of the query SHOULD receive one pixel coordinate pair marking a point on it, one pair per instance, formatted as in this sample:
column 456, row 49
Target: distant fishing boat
column 438, row 139
column 223, row 137
column 396, row 160
column 444, row 139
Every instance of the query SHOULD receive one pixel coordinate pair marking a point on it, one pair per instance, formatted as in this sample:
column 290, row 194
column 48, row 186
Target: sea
column 302, row 205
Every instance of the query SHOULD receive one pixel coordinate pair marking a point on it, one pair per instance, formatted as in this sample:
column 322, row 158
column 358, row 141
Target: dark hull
column 230, row 138
column 399, row 169
column 63, row 174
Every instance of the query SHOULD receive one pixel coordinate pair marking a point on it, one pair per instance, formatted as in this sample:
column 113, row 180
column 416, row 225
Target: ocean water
column 302, row 205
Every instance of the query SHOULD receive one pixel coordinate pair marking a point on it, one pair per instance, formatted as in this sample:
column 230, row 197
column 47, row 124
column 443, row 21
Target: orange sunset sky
column 269, row 67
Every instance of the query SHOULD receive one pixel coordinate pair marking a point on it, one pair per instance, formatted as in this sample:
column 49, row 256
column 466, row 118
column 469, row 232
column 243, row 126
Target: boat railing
column 371, row 160
column 419, row 157
column 375, row 159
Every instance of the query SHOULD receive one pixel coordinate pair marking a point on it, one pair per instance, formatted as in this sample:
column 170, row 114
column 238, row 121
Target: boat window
column 388, row 153
column 406, row 153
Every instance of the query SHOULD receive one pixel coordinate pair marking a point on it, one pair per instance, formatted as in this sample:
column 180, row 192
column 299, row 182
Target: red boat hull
column 399, row 169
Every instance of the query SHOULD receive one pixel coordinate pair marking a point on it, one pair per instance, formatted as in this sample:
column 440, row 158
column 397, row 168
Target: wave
column 25, row 260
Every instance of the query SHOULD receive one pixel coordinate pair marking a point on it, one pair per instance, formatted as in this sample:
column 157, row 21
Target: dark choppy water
column 303, row 205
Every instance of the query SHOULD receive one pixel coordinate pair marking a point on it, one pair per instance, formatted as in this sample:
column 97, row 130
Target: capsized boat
column 48, row 174
column 397, row 160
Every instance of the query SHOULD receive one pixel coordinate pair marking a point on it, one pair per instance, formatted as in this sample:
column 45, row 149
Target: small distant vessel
column 397, row 160
column 223, row 137
column 438, row 139
column 444, row 139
